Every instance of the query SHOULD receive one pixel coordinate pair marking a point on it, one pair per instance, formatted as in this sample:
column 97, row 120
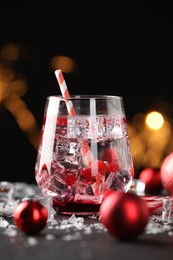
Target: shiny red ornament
column 166, row 171
column 30, row 216
column 125, row 215
column 152, row 179
column 107, row 193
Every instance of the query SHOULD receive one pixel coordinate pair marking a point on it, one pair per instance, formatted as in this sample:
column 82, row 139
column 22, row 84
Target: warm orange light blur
column 18, row 87
column 149, row 145
column 10, row 52
column 24, row 118
column 154, row 120
column 12, row 87
column 66, row 64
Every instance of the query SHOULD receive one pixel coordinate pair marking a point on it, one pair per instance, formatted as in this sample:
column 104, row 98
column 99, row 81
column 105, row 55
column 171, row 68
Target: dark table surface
column 61, row 239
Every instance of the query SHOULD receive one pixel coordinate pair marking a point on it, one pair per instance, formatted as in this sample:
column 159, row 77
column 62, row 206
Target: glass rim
column 84, row 97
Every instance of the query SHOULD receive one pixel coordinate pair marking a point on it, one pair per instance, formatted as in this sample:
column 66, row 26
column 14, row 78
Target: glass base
column 79, row 209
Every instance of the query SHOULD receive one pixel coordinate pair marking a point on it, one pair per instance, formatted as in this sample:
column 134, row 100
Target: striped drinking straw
column 86, row 152
column 65, row 92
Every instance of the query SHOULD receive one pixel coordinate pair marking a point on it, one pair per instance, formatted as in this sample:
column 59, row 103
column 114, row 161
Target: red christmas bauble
column 30, row 216
column 166, row 172
column 152, row 179
column 125, row 215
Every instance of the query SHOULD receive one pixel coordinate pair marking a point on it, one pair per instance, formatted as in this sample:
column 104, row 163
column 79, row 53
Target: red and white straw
column 86, row 152
column 65, row 92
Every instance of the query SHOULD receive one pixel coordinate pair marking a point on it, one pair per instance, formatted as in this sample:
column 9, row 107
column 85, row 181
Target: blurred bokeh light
column 12, row 88
column 66, row 64
column 154, row 120
column 150, row 138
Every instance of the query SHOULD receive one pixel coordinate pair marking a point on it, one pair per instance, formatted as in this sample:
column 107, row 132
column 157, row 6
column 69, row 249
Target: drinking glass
column 84, row 153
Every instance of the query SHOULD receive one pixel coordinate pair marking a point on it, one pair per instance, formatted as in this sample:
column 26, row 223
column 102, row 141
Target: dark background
column 125, row 49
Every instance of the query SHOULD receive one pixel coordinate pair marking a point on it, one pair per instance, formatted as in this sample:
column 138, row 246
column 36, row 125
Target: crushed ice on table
column 19, row 190
column 67, row 228
column 74, row 228
column 7, row 208
column 156, row 225
column 70, row 228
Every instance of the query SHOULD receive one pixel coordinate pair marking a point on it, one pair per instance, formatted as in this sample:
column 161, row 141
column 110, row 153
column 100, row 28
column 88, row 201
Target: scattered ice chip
column 73, row 219
column 64, row 222
column 10, row 232
column 12, row 226
column 50, row 237
column 50, row 227
column 69, row 237
column 166, row 210
column 32, row 241
column 93, row 217
column 3, row 222
column 87, row 230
